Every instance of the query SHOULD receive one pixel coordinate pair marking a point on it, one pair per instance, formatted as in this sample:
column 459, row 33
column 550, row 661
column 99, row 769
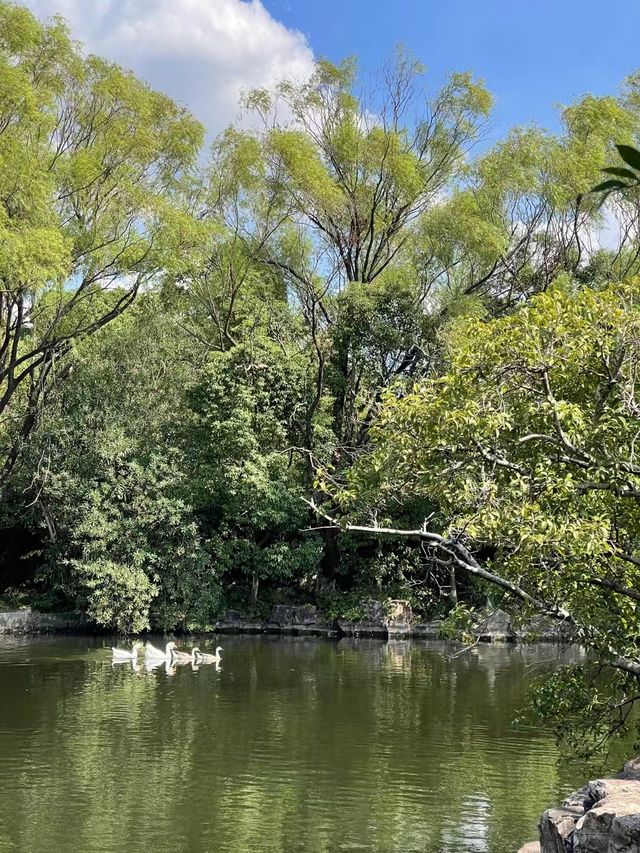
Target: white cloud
column 609, row 234
column 201, row 52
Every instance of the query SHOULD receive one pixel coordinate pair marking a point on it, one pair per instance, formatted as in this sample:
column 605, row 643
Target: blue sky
column 532, row 55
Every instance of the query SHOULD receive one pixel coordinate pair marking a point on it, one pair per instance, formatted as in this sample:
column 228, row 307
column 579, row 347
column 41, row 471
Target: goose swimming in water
column 124, row 655
column 182, row 657
column 202, row 657
column 151, row 652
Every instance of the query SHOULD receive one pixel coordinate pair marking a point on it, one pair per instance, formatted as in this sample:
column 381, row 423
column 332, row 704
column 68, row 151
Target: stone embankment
column 602, row 817
column 392, row 619
column 27, row 621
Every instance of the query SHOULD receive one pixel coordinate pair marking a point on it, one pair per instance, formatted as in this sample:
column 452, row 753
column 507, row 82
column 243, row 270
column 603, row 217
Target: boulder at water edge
column 602, row 817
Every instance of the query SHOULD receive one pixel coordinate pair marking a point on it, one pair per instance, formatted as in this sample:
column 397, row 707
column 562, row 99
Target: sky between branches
column 532, row 56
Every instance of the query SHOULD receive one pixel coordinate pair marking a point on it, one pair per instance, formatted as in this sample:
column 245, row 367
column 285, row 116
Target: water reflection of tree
column 295, row 745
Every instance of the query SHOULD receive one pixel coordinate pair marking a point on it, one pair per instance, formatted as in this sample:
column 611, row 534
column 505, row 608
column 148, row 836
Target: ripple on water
column 293, row 746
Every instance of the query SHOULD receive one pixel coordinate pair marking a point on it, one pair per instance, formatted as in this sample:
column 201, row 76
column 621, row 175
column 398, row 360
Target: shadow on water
column 295, row 744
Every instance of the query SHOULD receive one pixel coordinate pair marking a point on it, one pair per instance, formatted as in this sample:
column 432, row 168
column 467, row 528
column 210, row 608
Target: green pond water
column 293, row 745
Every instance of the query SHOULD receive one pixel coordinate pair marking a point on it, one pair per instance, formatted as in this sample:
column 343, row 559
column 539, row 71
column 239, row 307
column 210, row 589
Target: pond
column 295, row 744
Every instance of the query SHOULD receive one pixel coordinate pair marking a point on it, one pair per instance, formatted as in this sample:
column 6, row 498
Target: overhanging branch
column 455, row 551
column 462, row 558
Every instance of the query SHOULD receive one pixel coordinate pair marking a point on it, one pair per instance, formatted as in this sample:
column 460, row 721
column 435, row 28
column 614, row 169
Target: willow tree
column 524, row 212
column 319, row 206
column 374, row 222
column 327, row 197
column 90, row 166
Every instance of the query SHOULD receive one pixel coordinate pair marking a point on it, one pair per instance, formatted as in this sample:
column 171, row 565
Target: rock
column 232, row 616
column 373, row 611
column 306, row 614
column 611, row 826
column 602, row 817
column 398, row 618
column 283, row 614
column 362, row 628
column 398, row 629
column 496, row 627
column 299, row 619
column 631, row 769
column 240, row 626
column 543, row 629
column 250, row 627
column 319, row 629
column 585, row 798
column 389, row 619
column 540, row 629
column 372, row 623
column 277, row 628
column 556, row 829
column 593, row 792
column 531, row 847
column 427, row 630
column 28, row 621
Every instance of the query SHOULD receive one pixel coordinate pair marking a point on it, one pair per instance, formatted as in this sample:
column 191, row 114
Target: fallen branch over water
column 458, row 555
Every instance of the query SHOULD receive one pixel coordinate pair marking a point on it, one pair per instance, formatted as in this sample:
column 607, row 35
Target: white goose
column 153, row 653
column 202, row 657
column 124, row 655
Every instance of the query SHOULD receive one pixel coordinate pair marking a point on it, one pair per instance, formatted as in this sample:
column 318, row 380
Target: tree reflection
column 294, row 744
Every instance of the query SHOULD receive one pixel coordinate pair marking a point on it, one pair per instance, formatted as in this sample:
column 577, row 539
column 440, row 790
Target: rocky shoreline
column 602, row 817
column 392, row 619
column 28, row 621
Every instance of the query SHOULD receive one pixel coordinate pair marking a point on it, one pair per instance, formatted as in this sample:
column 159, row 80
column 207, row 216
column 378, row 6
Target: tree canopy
column 91, row 160
column 352, row 300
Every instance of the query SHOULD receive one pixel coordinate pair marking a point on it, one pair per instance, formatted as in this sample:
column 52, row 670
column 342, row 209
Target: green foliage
column 346, row 306
column 109, row 490
column 91, row 169
column 630, row 176
column 341, row 605
column 588, row 708
column 458, row 624
column 523, row 441
column 526, row 446
column 118, row 595
column 245, row 487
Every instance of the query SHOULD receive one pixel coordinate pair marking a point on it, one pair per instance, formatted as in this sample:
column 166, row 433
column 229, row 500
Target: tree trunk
column 330, row 557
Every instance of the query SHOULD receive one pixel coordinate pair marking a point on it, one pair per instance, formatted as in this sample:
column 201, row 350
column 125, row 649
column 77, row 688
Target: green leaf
column 609, row 185
column 622, row 173
column 630, row 155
